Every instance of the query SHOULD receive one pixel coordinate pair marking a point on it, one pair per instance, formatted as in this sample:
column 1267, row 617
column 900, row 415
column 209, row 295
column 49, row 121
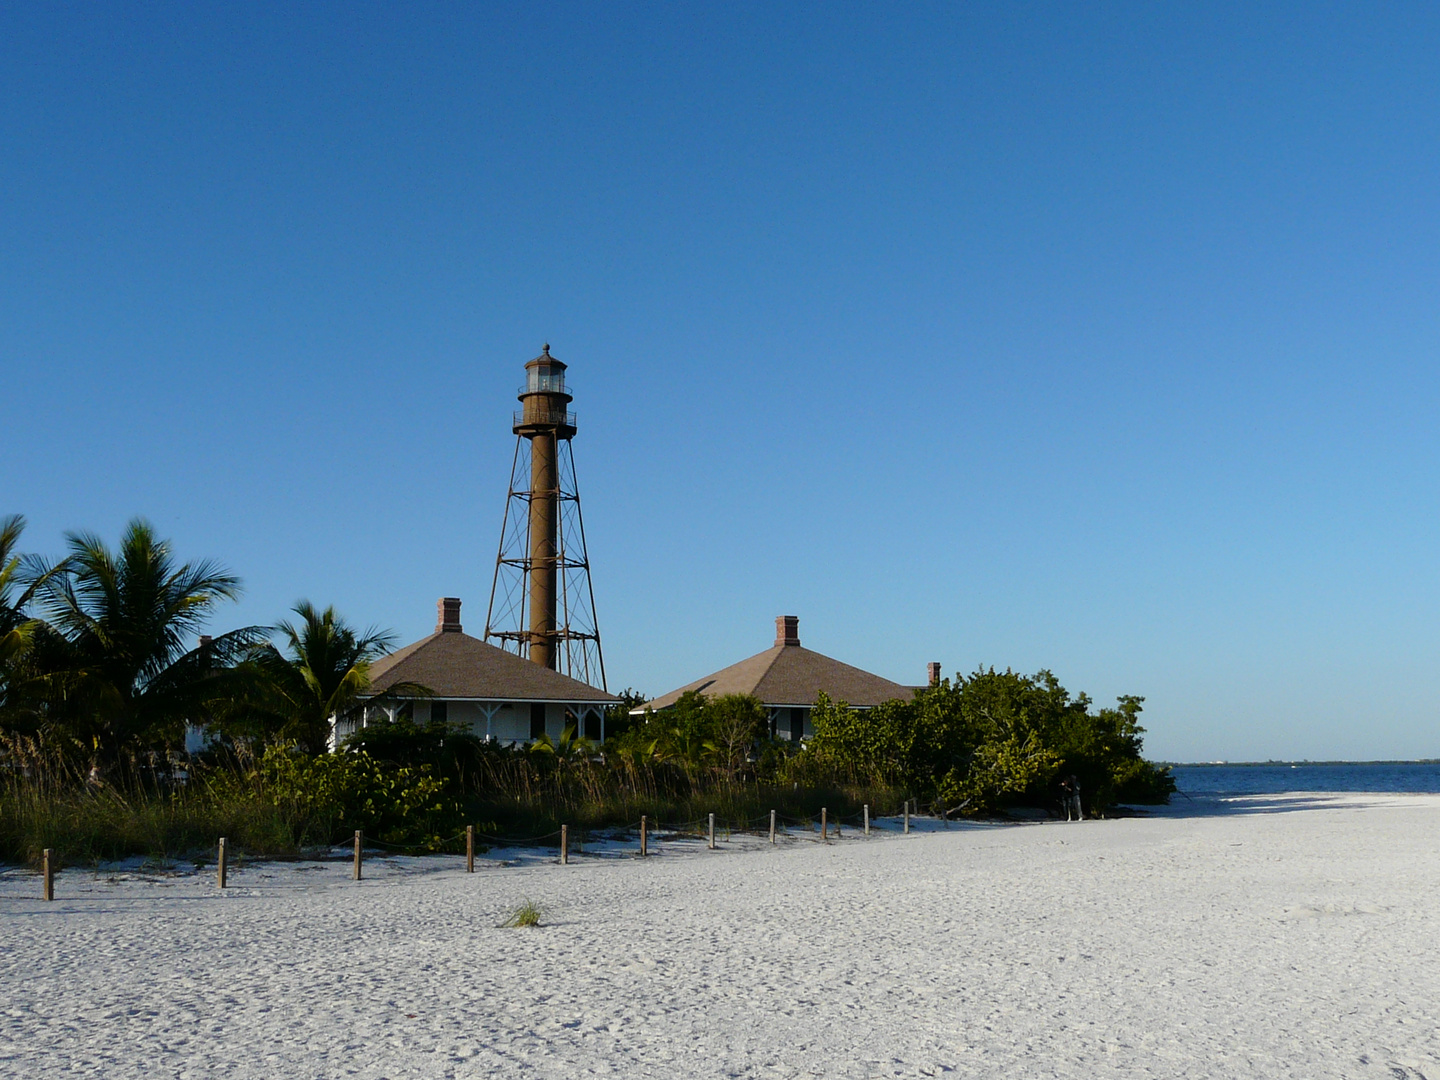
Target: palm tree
column 122, row 671
column 322, row 673
column 16, row 625
column 23, row 676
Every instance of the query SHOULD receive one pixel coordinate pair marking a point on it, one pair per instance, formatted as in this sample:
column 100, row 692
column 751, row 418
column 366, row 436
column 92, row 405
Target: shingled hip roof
column 452, row 664
column 789, row 675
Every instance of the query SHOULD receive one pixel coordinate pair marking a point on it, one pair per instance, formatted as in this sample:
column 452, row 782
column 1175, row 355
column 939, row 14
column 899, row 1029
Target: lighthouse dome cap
column 546, row 359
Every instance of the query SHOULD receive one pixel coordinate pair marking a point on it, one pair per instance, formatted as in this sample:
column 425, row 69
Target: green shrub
column 276, row 806
column 980, row 743
column 327, row 796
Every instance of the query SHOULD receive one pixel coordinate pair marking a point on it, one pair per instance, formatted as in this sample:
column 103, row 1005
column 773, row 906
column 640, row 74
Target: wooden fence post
column 359, row 847
column 772, row 826
column 867, row 819
column 712, row 832
column 220, row 865
column 644, row 836
column 47, row 869
column 469, row 849
column 907, row 815
column 564, row 845
column 824, row 826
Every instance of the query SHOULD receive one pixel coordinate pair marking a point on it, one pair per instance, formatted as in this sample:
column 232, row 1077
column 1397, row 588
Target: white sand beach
column 1275, row 936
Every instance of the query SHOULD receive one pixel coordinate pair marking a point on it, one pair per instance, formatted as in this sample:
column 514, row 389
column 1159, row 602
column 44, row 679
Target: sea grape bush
column 975, row 744
column 327, row 796
column 969, row 745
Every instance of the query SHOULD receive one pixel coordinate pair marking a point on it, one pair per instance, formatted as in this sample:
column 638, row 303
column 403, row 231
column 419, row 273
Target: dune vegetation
column 105, row 665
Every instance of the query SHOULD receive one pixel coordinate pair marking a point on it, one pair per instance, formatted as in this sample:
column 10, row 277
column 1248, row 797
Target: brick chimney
column 933, row 670
column 449, row 611
column 787, row 630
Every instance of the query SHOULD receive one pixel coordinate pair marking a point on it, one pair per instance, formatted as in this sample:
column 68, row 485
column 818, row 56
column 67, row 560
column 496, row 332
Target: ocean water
column 1279, row 777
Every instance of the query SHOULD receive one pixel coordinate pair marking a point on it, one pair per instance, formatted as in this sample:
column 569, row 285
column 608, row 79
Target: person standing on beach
column 1070, row 797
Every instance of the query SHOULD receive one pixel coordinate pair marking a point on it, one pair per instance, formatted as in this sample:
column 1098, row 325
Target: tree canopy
column 104, row 650
column 987, row 740
column 321, row 672
column 108, row 651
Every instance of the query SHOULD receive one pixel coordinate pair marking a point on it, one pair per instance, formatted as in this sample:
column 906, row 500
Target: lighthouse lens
column 547, row 380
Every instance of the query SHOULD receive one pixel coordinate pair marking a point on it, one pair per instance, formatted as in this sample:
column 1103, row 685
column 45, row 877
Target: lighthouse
column 542, row 604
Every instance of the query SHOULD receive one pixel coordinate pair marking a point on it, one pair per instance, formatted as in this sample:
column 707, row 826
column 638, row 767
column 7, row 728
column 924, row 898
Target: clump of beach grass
column 527, row 914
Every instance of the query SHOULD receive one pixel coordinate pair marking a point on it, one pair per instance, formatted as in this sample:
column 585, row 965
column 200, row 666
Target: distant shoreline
column 1263, row 764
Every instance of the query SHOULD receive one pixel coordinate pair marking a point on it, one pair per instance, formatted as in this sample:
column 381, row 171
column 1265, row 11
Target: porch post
column 489, row 711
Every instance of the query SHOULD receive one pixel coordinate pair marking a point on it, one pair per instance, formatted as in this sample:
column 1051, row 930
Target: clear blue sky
column 1100, row 338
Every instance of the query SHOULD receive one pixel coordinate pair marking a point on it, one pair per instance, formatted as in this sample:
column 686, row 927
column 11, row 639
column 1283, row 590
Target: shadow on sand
column 1219, row 805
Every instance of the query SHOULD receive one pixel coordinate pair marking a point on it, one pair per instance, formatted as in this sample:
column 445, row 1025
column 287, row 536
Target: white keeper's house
column 496, row 694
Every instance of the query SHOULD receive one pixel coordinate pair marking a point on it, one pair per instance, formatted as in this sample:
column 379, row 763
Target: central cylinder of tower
column 544, row 511
column 545, row 420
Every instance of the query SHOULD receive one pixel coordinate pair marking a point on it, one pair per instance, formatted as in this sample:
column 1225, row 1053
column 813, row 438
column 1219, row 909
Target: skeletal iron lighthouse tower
column 541, row 602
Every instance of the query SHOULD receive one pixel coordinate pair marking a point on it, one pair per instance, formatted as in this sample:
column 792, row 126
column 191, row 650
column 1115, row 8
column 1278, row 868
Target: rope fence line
column 696, row 829
column 516, row 841
column 774, row 825
column 424, row 849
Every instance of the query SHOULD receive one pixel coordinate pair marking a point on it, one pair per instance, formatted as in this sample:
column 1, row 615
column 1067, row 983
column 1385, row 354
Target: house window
column 592, row 725
column 537, row 720
column 439, row 712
